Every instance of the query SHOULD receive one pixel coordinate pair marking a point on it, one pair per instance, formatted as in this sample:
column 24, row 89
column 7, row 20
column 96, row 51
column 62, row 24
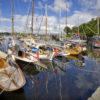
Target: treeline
column 5, row 33
column 9, row 34
column 88, row 29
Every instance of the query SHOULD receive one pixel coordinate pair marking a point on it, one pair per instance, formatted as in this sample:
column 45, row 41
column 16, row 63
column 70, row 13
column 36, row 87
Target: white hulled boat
column 11, row 76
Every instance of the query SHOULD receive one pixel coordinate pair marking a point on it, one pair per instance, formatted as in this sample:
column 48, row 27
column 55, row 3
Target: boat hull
column 23, row 63
column 12, row 77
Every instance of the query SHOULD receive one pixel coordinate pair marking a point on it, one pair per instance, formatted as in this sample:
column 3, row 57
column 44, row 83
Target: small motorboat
column 42, row 51
column 74, row 50
column 27, row 58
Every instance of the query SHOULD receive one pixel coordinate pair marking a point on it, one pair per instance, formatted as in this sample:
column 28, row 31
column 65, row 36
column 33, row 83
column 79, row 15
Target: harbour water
column 69, row 82
column 52, row 47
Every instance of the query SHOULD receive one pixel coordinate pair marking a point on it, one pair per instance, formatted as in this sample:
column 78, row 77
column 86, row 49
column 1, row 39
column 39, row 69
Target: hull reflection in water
column 66, row 82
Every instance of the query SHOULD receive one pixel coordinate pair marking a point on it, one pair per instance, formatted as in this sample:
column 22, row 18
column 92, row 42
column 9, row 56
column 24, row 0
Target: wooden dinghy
column 11, row 76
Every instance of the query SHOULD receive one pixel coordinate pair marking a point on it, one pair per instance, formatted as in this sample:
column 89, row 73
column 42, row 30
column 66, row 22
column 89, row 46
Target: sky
column 60, row 13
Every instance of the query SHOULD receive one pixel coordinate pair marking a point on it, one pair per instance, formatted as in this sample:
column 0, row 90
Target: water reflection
column 94, row 54
column 73, row 78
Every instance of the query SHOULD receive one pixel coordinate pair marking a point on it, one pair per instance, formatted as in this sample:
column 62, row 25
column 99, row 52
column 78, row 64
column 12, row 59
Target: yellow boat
column 72, row 57
column 75, row 50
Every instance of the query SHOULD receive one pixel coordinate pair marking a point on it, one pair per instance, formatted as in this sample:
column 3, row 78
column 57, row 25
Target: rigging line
column 20, row 11
column 28, row 13
column 32, row 19
column 5, row 88
column 11, row 78
column 41, row 23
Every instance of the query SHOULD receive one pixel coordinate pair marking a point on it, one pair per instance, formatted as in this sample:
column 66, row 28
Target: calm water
column 59, row 83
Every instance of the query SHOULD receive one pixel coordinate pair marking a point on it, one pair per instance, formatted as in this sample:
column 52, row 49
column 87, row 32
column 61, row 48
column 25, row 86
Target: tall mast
column 46, row 23
column 98, row 25
column 32, row 17
column 12, row 17
column 66, row 17
column 59, row 22
column 78, row 26
column 0, row 12
column 98, row 18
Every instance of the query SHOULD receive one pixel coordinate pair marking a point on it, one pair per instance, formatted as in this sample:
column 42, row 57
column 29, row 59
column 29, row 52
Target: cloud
column 57, row 5
column 76, row 19
column 5, row 29
column 2, row 19
column 61, row 4
column 79, row 17
column 26, row 1
column 98, row 5
column 23, row 22
column 92, row 6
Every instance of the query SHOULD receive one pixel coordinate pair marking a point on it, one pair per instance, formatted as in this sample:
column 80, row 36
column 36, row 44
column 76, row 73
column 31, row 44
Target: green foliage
column 88, row 29
column 67, row 30
column 75, row 29
column 68, row 35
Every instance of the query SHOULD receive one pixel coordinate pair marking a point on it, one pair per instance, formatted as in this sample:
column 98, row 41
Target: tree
column 88, row 29
column 75, row 29
column 67, row 30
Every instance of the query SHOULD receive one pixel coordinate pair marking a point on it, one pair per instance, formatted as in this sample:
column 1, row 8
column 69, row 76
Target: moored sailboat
column 11, row 76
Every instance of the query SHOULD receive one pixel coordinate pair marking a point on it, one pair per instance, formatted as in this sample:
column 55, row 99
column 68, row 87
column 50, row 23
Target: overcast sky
column 77, row 11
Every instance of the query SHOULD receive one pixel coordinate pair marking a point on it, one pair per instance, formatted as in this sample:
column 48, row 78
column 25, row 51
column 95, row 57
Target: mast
column 0, row 12
column 59, row 22
column 98, row 18
column 98, row 25
column 66, row 20
column 46, row 18
column 32, row 18
column 12, row 17
column 78, row 30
